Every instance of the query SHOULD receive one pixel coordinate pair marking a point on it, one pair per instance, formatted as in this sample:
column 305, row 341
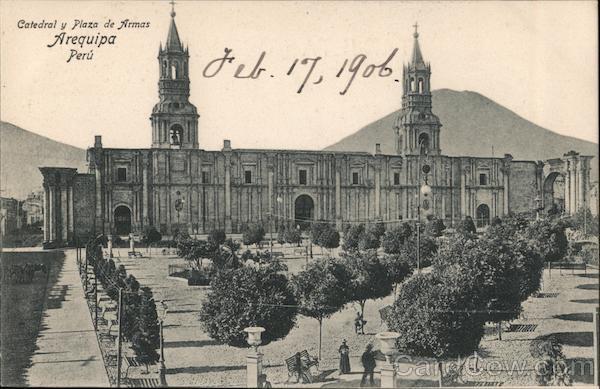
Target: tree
column 435, row 319
column 393, row 240
column 325, row 235
column 151, row 235
column 352, row 237
column 371, row 237
column 247, row 297
column 584, row 222
column 195, row 251
column 293, row 236
column 553, row 369
column 529, row 262
column 466, row 227
column 253, row 234
column 318, row 292
column 146, row 338
column 217, row 237
column 435, row 227
column 365, row 277
column 398, row 268
column 488, row 266
column 549, row 238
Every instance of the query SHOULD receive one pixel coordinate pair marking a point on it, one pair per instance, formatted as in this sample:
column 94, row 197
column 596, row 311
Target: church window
column 420, row 85
column 396, row 178
column 174, row 70
column 121, row 174
column 412, row 84
column 165, row 66
column 354, row 178
column 248, row 176
column 302, row 176
column 205, row 177
column 483, row 179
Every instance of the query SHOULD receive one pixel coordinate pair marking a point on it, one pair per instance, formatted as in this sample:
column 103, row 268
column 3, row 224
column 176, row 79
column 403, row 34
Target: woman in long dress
column 344, row 351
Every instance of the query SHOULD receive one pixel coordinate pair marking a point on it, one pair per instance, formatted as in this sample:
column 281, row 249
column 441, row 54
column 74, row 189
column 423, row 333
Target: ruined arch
column 554, row 191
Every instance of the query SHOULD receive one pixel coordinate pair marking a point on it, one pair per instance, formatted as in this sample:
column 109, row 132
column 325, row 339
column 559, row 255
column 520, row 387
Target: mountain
column 471, row 125
column 21, row 154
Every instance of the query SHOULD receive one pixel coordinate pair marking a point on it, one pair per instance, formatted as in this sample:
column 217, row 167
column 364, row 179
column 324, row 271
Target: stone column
column 463, row 194
column 506, row 195
column 378, row 191
column 581, row 182
column 71, row 232
column 228, row 193
column 53, row 210
column 388, row 376
column 64, row 213
column 253, row 369
column 338, row 196
column 568, row 189
column 145, row 219
column 46, row 214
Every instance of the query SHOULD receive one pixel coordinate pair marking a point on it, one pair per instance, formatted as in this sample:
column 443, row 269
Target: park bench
column 567, row 265
column 132, row 362
column 308, row 361
column 142, row 382
column 134, row 254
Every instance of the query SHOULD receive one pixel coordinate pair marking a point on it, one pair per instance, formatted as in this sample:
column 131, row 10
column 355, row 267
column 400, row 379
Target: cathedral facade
column 176, row 185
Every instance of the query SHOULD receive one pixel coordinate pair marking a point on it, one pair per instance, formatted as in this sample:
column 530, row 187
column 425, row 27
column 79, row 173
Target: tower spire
column 417, row 57
column 173, row 41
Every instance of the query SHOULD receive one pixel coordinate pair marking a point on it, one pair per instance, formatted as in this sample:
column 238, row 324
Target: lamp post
column 279, row 201
column 254, row 358
column 388, row 348
column 425, row 170
column 162, row 369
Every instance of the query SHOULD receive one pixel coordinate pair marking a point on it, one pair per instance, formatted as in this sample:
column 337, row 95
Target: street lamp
column 162, row 316
column 279, row 201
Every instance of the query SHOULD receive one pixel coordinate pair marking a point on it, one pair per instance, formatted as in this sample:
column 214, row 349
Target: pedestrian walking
column 344, row 351
column 368, row 361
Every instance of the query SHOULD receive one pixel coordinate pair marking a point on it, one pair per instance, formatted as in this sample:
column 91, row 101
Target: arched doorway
column 122, row 220
column 483, row 215
column 554, row 191
column 304, row 210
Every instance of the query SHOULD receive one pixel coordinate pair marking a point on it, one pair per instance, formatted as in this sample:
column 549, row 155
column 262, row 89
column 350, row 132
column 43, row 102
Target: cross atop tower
column 172, row 2
column 416, row 26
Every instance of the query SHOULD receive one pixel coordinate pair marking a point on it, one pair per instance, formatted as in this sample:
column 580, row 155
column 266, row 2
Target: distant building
column 175, row 185
column 33, row 207
column 11, row 215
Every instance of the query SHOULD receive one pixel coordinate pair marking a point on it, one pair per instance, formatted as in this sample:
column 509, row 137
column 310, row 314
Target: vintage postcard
column 298, row 193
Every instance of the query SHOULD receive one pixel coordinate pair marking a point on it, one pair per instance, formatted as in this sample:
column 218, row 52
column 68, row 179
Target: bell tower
column 416, row 128
column 174, row 119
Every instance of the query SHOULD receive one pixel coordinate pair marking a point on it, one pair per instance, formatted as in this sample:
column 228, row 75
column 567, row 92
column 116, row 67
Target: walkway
column 68, row 352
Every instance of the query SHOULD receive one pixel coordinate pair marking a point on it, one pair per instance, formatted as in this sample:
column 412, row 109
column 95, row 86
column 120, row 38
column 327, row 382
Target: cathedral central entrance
column 304, row 211
column 122, row 220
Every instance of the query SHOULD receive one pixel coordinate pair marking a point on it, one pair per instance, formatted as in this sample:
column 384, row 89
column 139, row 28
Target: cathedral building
column 176, row 185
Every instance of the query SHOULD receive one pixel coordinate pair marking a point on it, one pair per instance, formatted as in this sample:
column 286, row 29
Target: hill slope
column 471, row 124
column 22, row 152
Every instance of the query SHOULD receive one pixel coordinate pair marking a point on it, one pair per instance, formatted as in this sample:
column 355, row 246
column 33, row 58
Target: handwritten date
column 306, row 67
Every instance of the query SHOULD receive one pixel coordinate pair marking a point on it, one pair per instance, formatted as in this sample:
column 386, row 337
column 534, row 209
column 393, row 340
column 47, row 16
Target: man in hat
column 368, row 361
column 344, row 351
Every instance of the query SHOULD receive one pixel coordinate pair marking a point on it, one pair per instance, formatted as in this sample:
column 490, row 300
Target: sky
column 538, row 59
